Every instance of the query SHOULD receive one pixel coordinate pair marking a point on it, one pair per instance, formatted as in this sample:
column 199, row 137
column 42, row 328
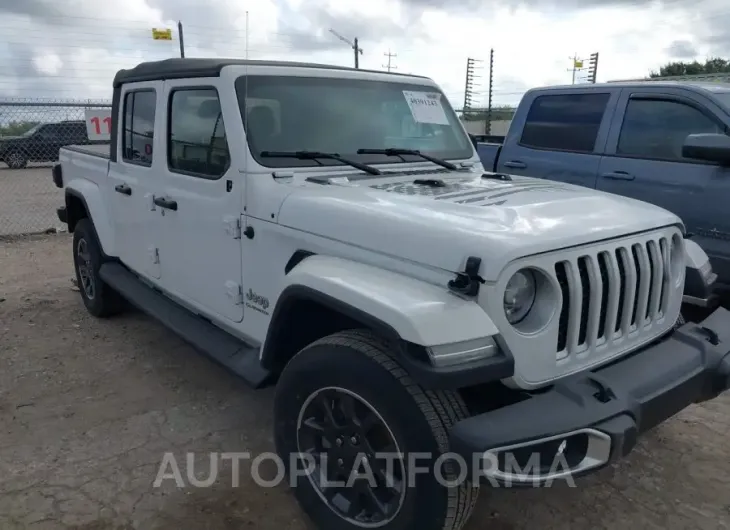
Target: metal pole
column 575, row 58
column 182, row 39
column 356, row 47
column 246, row 34
column 489, row 107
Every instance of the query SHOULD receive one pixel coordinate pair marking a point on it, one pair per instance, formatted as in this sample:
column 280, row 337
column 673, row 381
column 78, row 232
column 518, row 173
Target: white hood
column 496, row 220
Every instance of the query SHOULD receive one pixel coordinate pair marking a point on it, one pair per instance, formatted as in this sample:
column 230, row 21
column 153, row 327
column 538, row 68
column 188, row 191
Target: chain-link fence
column 31, row 134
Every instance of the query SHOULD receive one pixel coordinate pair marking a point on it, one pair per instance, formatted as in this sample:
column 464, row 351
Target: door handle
column 618, row 175
column 164, row 202
column 515, row 164
column 123, row 189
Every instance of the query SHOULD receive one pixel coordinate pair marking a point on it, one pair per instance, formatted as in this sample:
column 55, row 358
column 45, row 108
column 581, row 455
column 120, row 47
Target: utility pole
column 182, row 39
column 577, row 65
column 353, row 44
column 390, row 56
column 247, row 35
column 488, row 127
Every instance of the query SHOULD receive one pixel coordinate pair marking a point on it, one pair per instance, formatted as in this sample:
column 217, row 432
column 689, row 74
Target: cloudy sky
column 71, row 48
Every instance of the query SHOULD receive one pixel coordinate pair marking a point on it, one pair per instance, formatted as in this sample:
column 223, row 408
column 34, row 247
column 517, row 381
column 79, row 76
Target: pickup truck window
column 564, row 122
column 197, row 143
column 656, row 128
column 138, row 126
column 287, row 113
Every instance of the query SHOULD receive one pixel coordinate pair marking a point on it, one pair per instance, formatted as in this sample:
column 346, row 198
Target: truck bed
column 100, row 150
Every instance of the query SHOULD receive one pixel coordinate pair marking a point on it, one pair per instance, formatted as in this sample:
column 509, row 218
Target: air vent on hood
column 412, row 188
column 426, row 171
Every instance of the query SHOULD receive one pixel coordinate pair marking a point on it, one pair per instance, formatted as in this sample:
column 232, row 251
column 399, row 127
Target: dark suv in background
column 41, row 143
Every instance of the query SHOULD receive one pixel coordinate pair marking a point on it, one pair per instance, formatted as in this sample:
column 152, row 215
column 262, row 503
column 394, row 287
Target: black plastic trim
column 232, row 352
column 113, row 137
column 455, row 377
column 77, row 195
column 62, row 214
column 276, row 334
column 203, row 67
column 57, row 175
column 296, row 259
column 638, row 392
column 695, row 286
column 410, row 357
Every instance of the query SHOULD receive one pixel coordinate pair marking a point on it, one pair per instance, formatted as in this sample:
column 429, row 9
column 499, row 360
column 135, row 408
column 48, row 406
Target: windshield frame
column 242, row 82
column 723, row 98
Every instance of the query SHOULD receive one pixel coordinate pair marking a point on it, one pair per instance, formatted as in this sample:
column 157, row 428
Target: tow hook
column 467, row 283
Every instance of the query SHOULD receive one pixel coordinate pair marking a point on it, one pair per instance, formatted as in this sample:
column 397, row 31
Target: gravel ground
column 88, row 408
column 28, row 200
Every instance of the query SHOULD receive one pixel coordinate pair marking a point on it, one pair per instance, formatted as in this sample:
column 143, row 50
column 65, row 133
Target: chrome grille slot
column 610, row 294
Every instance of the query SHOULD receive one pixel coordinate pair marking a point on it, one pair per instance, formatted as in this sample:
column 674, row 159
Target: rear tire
column 369, row 405
column 100, row 299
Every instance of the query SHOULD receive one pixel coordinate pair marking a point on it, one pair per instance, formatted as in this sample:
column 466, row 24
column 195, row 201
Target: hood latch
column 467, row 283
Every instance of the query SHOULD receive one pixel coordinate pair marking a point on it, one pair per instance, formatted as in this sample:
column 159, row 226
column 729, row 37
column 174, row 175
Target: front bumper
column 584, row 422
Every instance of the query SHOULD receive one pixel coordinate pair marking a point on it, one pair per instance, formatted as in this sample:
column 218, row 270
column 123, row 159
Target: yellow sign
column 161, row 34
column 578, row 63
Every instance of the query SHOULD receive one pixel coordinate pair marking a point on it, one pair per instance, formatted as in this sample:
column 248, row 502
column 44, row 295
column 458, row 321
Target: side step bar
column 237, row 356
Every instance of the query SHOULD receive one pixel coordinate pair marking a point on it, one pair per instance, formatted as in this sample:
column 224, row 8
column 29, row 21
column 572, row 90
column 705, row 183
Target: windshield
column 32, row 130
column 287, row 113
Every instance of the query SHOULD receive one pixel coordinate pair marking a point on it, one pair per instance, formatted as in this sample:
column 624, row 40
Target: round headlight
column 519, row 295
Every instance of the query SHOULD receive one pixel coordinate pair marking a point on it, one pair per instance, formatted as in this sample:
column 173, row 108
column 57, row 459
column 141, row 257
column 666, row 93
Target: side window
column 197, row 137
column 138, row 127
column 565, row 122
column 47, row 132
column 655, row 128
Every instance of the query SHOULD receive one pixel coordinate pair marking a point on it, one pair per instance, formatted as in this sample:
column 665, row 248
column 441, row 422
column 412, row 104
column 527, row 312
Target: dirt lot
column 28, row 200
column 88, row 408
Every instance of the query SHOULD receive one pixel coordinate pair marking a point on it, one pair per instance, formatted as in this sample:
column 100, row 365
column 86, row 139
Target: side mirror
column 473, row 139
column 708, row 147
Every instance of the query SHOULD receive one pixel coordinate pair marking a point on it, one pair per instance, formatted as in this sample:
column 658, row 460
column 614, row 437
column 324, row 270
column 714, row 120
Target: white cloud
column 53, row 50
column 48, row 63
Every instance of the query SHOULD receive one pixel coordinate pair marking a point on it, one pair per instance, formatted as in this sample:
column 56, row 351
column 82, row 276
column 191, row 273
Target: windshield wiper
column 395, row 151
column 314, row 155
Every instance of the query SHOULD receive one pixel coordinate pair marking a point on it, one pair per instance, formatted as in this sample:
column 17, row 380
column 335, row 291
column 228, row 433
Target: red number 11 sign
column 98, row 123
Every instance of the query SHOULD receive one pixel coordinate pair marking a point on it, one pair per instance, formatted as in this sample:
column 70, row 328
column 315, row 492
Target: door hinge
column 233, row 227
column 234, row 292
column 154, row 255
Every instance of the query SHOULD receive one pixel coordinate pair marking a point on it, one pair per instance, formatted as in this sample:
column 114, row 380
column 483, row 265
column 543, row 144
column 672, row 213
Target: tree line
column 16, row 128
column 713, row 65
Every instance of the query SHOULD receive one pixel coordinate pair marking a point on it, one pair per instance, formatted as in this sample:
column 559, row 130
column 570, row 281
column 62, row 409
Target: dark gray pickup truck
column 661, row 142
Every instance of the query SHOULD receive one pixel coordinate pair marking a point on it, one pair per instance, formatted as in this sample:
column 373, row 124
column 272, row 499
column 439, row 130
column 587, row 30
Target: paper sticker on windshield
column 426, row 107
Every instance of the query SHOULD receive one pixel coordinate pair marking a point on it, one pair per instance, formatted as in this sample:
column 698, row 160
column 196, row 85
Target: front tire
column 100, row 299
column 16, row 160
column 344, row 400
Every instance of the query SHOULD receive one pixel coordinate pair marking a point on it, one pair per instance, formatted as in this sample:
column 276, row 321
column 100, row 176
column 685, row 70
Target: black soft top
column 188, row 68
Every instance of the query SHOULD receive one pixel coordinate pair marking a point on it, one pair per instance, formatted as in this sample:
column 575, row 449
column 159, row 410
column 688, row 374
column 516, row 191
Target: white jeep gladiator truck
column 332, row 231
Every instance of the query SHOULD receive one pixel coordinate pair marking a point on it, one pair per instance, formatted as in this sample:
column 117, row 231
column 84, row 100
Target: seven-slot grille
column 611, row 294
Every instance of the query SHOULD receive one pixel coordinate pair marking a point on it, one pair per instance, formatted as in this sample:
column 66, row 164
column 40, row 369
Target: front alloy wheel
column 348, row 442
column 363, row 443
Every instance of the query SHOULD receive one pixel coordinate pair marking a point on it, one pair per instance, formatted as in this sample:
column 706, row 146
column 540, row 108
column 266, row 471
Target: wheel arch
column 324, row 295
column 84, row 200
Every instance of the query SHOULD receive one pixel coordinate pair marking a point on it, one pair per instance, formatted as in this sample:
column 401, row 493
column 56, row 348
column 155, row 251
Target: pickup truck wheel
column 366, row 440
column 100, row 300
column 16, row 160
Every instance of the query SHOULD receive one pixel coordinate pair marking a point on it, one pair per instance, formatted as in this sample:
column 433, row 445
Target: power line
column 390, row 56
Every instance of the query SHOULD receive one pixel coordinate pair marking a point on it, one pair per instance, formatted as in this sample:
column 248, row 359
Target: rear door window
column 565, row 122
column 139, row 126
